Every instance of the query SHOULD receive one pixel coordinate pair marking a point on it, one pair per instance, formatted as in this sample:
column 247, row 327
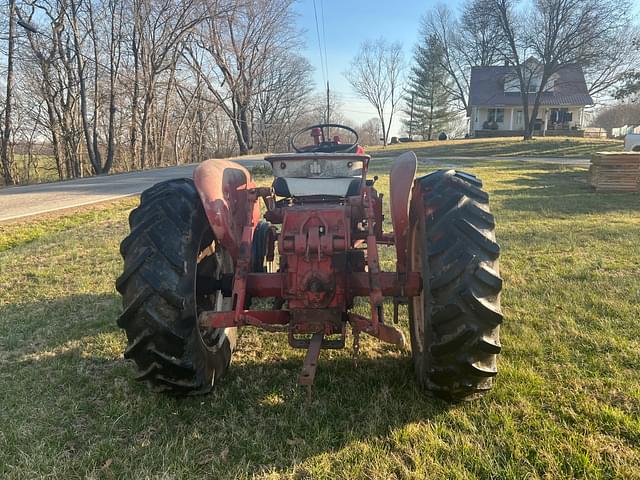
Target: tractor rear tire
column 170, row 245
column 455, row 322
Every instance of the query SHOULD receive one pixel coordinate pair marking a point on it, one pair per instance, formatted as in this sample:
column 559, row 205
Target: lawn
column 565, row 404
column 504, row 147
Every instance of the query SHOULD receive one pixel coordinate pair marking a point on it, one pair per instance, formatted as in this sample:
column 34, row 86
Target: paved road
column 18, row 202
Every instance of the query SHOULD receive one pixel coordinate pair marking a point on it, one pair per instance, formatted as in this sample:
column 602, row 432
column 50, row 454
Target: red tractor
column 198, row 254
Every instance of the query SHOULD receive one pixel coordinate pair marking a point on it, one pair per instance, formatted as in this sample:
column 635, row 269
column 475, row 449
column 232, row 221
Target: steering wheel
column 325, row 145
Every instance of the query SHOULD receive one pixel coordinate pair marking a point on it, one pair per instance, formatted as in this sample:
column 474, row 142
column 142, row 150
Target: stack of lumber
column 615, row 171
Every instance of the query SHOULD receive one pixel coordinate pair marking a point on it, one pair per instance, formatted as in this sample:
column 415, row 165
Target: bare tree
column 114, row 38
column 617, row 115
column 441, row 25
column 188, row 96
column 80, row 63
column 283, row 97
column 610, row 69
column 101, row 85
column 57, row 82
column 237, row 50
column 369, row 132
column 468, row 41
column 476, row 43
column 160, row 28
column 317, row 111
column 376, row 74
column 556, row 33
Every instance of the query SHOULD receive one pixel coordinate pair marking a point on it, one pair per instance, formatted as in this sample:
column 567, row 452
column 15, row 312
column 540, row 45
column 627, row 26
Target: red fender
column 403, row 173
column 222, row 186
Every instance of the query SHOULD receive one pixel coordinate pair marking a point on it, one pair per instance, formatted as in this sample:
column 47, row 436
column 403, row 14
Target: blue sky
column 347, row 24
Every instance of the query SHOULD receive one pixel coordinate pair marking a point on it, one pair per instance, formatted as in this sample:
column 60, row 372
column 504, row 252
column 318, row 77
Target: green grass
column 565, row 404
column 504, row 147
column 46, row 170
column 18, row 233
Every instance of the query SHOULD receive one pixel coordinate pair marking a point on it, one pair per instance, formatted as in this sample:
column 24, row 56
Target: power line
column 322, row 64
column 351, row 96
column 324, row 39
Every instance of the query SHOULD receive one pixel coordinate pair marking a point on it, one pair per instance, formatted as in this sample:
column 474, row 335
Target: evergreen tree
column 428, row 102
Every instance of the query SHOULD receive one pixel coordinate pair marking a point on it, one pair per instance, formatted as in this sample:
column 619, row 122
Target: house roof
column 487, row 88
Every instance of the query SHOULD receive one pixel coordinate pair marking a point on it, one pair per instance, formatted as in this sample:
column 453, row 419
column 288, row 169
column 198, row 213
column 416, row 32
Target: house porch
column 509, row 121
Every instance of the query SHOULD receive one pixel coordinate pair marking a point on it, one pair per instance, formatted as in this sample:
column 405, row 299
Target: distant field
column 505, row 147
column 43, row 169
column 565, row 404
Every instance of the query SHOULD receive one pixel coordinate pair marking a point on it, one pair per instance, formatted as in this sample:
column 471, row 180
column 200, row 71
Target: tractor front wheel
column 170, row 250
column 455, row 322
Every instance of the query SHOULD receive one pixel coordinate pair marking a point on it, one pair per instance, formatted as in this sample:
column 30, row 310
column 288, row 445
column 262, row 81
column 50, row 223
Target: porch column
column 511, row 120
column 546, row 122
column 472, row 121
column 581, row 118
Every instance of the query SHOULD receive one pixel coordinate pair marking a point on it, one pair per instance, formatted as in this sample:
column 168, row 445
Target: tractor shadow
column 281, row 425
column 65, row 355
column 47, row 326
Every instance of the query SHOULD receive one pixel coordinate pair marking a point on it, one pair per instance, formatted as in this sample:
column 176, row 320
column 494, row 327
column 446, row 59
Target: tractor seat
column 318, row 174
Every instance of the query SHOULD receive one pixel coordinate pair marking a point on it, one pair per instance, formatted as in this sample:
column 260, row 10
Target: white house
column 495, row 102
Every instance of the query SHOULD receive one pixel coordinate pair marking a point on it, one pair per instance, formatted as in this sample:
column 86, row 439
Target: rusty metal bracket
column 386, row 333
column 397, row 301
column 310, row 364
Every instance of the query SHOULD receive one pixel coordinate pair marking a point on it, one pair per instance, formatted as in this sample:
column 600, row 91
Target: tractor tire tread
column 462, row 286
column 157, row 285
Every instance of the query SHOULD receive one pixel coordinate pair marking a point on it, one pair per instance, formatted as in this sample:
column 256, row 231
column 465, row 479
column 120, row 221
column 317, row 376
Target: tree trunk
column 183, row 117
column 385, row 134
column 244, row 140
column 165, row 116
column 114, row 64
column 133, row 136
column 96, row 93
column 6, row 134
column 144, row 128
column 430, row 131
column 112, row 127
column 55, row 137
column 241, row 129
column 93, row 157
column 528, row 123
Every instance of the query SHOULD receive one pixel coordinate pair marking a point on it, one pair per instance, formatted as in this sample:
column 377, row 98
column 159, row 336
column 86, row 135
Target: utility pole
column 6, row 135
column 327, row 101
column 328, row 137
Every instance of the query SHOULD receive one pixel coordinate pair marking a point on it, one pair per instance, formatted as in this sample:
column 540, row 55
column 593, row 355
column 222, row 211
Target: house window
column 496, row 115
column 519, row 118
column 561, row 115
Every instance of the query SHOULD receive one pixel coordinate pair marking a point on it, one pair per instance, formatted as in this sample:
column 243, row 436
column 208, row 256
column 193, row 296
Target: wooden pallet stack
column 615, row 171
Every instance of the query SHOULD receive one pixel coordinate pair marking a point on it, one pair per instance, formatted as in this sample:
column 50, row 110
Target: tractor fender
column 223, row 189
column 401, row 180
